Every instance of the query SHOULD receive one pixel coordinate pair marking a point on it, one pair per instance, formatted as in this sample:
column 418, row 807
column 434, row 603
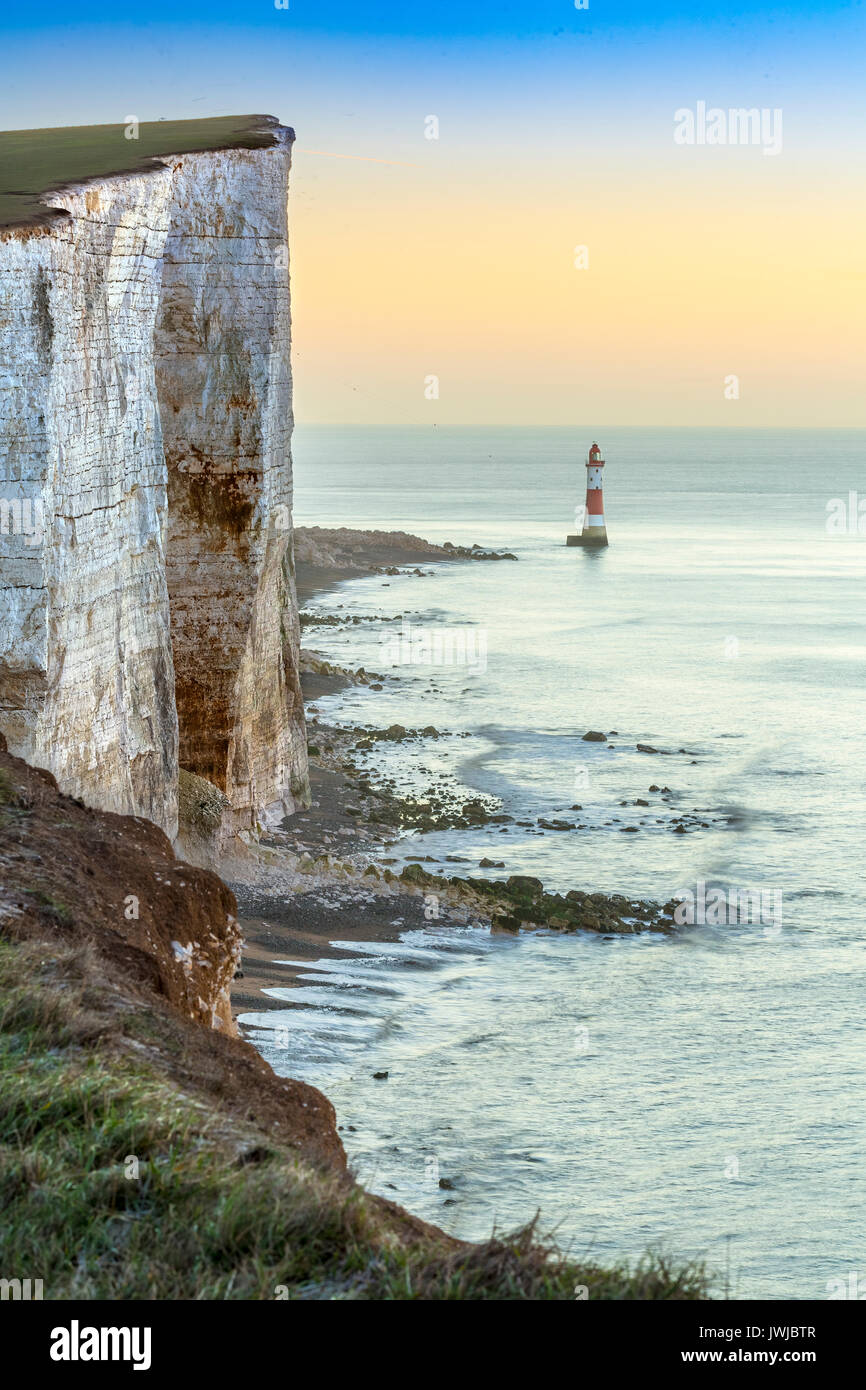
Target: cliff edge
column 148, row 620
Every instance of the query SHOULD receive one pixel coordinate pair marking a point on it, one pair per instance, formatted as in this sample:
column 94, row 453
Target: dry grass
column 35, row 161
column 116, row 1185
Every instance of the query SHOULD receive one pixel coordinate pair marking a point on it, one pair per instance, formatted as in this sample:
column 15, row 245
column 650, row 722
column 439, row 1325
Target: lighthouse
column 594, row 532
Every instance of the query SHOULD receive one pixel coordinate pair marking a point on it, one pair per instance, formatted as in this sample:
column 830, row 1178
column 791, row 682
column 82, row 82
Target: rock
column 528, row 907
column 380, row 1076
column 345, row 548
column 639, row 801
column 413, row 873
column 80, row 426
column 646, row 748
column 654, row 788
column 446, row 1184
column 594, row 736
column 504, row 922
column 145, row 396
column 523, row 886
column 204, row 827
column 223, row 384
column 490, row 864
column 555, row 824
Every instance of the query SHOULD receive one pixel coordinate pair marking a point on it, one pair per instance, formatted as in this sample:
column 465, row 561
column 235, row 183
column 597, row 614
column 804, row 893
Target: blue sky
column 65, row 65
column 460, row 18
column 556, row 129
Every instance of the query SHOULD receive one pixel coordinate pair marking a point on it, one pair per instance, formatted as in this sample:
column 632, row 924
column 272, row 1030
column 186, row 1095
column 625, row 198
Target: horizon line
column 498, row 425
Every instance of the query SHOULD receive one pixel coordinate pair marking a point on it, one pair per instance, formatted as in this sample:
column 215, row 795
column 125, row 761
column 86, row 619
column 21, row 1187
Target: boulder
column 523, row 886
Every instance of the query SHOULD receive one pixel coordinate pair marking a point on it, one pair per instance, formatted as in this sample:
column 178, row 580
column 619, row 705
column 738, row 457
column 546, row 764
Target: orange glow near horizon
column 399, row 275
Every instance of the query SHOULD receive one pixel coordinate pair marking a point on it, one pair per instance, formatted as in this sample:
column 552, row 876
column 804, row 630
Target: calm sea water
column 703, row 1094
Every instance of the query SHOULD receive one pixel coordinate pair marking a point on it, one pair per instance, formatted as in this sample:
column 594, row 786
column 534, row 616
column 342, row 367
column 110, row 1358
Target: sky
column 496, row 214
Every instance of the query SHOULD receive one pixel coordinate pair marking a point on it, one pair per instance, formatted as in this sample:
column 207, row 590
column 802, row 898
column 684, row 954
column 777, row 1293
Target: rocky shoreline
column 328, row 873
column 325, row 556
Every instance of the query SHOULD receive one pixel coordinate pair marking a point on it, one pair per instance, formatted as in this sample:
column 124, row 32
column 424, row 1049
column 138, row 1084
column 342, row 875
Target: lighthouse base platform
column 594, row 537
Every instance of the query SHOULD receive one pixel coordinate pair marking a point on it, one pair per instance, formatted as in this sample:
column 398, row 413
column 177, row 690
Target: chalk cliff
column 224, row 385
column 147, row 612
column 86, row 680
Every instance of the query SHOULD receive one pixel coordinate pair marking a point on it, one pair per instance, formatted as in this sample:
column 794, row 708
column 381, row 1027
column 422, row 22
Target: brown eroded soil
column 66, row 873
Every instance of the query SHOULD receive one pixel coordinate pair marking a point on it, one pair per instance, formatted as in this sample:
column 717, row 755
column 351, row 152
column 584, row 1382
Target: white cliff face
column 223, row 376
column 86, row 678
column 143, row 559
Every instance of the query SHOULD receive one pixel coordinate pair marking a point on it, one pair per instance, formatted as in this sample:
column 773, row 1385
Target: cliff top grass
column 33, row 162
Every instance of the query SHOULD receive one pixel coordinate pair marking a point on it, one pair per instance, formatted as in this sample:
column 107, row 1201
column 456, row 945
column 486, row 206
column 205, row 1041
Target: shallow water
column 706, row 1093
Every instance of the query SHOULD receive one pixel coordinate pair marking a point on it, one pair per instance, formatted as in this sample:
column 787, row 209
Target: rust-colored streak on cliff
column 146, row 488
column 223, row 379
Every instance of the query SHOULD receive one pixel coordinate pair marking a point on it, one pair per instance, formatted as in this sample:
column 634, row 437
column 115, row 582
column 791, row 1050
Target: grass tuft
column 7, row 790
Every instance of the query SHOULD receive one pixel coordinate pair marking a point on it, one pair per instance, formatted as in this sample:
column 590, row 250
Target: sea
column 700, row 1095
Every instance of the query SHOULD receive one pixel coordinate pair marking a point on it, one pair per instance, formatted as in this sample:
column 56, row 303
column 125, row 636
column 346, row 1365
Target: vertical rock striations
column 147, row 609
column 86, row 680
column 223, row 377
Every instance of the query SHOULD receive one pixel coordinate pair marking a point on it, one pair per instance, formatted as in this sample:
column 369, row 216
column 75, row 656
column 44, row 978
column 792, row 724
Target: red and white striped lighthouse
column 594, row 530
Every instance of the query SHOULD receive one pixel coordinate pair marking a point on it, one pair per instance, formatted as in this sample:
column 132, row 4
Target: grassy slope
column 201, row 1219
column 33, row 161
column 219, row 1208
